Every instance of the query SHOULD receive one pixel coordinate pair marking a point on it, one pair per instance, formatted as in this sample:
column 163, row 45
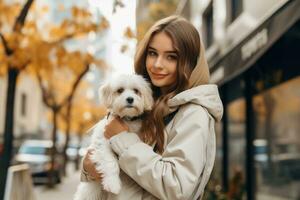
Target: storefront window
column 236, row 147
column 277, row 144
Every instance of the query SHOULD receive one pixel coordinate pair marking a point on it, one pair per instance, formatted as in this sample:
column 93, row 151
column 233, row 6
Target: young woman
column 174, row 159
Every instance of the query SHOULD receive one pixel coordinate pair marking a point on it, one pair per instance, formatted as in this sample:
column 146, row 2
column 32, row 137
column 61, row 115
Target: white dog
column 127, row 96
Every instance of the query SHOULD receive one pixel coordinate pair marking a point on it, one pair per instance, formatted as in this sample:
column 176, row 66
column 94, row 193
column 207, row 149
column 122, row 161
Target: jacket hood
column 200, row 74
column 206, row 96
column 200, row 91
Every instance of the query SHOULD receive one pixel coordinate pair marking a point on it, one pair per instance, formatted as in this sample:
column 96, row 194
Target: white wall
column 254, row 13
column 227, row 36
column 29, row 123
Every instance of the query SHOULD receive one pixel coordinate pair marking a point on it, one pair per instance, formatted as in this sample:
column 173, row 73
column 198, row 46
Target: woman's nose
column 158, row 62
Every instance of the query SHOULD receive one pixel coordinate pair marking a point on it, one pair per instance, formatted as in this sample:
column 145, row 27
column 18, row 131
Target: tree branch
column 20, row 20
column 66, row 37
column 8, row 51
column 117, row 3
column 45, row 95
column 76, row 83
column 24, row 66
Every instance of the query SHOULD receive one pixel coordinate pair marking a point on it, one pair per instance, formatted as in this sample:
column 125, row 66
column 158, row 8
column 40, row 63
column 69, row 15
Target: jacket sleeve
column 176, row 173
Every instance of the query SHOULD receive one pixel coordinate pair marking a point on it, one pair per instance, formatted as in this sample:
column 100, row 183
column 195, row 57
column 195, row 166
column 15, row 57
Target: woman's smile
column 158, row 75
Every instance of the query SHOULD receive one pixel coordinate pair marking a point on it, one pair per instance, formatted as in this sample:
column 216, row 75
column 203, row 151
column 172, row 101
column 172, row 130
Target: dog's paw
column 112, row 184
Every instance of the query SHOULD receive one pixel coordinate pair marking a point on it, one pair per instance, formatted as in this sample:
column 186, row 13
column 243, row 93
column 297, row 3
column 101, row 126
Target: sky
column 122, row 18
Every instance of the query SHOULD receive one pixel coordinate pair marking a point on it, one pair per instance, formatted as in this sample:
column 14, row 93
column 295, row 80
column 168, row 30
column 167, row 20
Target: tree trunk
column 68, row 114
column 53, row 149
column 77, row 161
column 10, row 101
column 8, row 130
column 68, row 122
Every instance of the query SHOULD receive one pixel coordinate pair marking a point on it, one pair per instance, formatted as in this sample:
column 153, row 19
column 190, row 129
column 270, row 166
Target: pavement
column 63, row 191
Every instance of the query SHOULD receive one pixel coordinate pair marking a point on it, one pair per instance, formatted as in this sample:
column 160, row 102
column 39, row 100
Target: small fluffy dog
column 127, row 96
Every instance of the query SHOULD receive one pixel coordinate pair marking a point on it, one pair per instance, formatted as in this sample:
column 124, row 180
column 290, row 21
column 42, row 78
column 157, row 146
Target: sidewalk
column 63, row 191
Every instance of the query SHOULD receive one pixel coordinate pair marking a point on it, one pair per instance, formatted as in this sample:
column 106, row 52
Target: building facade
column 252, row 50
column 28, row 107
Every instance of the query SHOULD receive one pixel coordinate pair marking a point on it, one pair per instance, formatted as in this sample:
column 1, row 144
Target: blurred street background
column 55, row 54
column 65, row 190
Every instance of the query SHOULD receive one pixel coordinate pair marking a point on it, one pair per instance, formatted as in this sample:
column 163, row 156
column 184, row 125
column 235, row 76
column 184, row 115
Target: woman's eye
column 120, row 90
column 172, row 57
column 151, row 53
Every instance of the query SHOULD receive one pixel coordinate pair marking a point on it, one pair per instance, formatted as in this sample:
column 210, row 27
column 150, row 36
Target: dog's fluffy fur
column 126, row 96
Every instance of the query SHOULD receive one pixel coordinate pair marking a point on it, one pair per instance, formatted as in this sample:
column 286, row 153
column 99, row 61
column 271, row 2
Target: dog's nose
column 129, row 100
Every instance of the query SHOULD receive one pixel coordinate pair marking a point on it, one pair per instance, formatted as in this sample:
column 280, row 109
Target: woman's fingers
column 114, row 127
column 90, row 168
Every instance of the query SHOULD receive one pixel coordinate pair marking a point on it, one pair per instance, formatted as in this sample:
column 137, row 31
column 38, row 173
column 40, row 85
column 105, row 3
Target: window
column 277, row 146
column 23, row 104
column 208, row 26
column 234, row 9
column 237, row 145
column 237, row 138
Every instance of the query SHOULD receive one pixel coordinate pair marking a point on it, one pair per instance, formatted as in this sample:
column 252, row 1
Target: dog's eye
column 120, row 90
column 136, row 91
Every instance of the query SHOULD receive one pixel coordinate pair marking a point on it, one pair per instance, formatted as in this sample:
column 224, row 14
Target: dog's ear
column 105, row 95
column 148, row 98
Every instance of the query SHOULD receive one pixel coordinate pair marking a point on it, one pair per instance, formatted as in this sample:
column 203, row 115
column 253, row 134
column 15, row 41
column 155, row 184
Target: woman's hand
column 115, row 127
column 89, row 167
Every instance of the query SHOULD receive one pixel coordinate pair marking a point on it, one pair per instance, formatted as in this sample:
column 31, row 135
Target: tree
column 13, row 69
column 157, row 10
column 85, row 113
column 58, row 89
column 26, row 46
column 50, row 83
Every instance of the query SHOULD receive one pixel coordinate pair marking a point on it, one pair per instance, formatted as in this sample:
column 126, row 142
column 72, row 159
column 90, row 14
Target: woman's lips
column 158, row 76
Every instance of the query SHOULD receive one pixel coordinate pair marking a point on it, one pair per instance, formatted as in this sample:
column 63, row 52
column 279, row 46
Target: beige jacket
column 184, row 168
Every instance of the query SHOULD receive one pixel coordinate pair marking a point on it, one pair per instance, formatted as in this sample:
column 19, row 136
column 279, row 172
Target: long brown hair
column 186, row 41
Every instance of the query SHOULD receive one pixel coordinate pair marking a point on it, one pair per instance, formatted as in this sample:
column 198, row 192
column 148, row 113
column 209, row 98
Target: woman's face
column 161, row 61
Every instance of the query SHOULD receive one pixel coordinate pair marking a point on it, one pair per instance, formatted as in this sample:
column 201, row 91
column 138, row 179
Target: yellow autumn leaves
column 156, row 10
column 38, row 47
